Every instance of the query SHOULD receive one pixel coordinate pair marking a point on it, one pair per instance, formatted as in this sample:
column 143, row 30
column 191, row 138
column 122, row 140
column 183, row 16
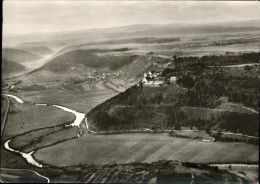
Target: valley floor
column 126, row 148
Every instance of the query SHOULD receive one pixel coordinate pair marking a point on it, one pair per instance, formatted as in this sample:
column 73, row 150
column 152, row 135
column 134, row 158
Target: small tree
column 247, row 68
column 177, row 126
column 207, row 129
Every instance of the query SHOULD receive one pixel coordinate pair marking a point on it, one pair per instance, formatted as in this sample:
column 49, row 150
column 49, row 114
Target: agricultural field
column 125, row 148
column 23, row 118
column 191, row 45
column 78, row 97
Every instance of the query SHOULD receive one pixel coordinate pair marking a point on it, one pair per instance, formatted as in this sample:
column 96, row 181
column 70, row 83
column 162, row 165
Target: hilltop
column 133, row 31
column 88, row 58
column 18, row 55
column 196, row 100
column 36, row 49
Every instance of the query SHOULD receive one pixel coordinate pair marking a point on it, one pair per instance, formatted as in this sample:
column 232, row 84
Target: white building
column 173, row 79
column 146, row 81
column 208, row 139
column 153, row 79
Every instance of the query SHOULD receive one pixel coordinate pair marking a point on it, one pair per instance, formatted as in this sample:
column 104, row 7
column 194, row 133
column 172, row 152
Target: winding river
column 29, row 156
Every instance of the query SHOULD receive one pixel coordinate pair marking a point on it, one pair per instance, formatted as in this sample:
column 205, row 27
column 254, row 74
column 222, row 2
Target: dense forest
column 137, row 40
column 208, row 98
column 10, row 66
column 211, row 60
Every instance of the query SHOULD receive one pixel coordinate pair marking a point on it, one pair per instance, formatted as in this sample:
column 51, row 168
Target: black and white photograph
column 122, row 91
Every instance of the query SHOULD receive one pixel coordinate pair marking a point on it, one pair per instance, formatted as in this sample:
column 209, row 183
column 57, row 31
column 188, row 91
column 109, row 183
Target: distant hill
column 38, row 50
column 11, row 67
column 133, row 31
column 18, row 55
column 87, row 58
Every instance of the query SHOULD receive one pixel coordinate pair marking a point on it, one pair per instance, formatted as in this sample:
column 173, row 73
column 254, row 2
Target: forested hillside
column 212, row 98
column 18, row 55
column 11, row 67
column 88, row 58
column 38, row 50
column 221, row 60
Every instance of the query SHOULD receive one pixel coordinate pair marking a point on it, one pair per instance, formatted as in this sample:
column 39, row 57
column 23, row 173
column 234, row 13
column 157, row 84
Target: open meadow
column 125, row 148
column 81, row 98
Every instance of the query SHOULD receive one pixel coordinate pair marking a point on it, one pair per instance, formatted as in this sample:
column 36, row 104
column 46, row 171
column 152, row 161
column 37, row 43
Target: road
column 236, row 165
column 230, row 133
column 239, row 65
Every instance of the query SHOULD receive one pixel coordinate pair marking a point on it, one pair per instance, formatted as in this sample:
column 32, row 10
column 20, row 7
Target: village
column 97, row 77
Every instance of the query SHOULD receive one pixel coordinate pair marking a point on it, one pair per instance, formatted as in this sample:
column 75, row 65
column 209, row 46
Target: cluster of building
column 155, row 79
column 97, row 77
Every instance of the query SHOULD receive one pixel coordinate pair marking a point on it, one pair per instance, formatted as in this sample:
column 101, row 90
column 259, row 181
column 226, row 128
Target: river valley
column 161, row 147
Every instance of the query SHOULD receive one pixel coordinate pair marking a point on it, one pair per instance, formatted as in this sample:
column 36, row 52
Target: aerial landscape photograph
column 154, row 92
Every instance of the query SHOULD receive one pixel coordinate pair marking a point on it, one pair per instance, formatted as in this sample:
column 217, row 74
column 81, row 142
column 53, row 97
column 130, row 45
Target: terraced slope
column 161, row 172
column 133, row 72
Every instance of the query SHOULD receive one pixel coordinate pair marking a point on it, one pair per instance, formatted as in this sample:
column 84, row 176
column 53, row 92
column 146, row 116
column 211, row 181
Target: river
column 29, row 156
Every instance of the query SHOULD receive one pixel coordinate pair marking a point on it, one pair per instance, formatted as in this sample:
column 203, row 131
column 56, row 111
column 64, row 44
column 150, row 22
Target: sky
column 35, row 16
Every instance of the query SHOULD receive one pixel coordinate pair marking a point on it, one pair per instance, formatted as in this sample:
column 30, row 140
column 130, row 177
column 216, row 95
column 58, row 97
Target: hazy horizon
column 100, row 28
column 41, row 17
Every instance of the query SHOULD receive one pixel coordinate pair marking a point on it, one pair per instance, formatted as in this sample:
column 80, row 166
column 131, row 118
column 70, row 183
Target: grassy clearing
column 31, row 138
column 126, row 148
column 53, row 138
